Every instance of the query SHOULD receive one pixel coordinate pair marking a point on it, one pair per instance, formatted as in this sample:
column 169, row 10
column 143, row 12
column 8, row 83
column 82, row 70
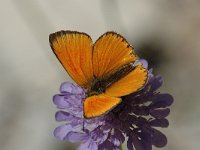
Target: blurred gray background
column 165, row 32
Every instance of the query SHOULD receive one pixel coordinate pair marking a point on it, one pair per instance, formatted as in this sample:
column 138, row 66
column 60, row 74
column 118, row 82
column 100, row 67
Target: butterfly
column 106, row 69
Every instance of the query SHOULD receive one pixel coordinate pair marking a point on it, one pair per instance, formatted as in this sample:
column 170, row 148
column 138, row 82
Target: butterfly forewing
column 74, row 51
column 110, row 52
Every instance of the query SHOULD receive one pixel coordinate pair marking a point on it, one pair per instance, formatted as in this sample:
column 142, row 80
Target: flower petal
column 117, row 138
column 141, row 110
column 107, row 145
column 162, row 101
column 133, row 140
column 106, row 128
column 60, row 101
column 130, row 144
column 62, row 131
column 63, row 116
column 88, row 145
column 76, row 137
column 145, row 140
column 70, row 88
column 99, row 136
column 159, row 123
column 143, row 62
column 160, row 113
column 90, row 126
column 159, row 139
column 156, row 83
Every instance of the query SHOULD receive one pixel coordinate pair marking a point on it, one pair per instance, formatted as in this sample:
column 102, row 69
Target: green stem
column 121, row 147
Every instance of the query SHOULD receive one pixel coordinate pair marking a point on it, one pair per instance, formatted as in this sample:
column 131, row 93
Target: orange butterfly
column 106, row 68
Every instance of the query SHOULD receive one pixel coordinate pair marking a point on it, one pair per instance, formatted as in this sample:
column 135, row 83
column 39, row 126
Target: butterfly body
column 98, row 86
column 106, row 69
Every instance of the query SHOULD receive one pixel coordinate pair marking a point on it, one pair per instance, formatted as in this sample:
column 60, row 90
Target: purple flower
column 135, row 118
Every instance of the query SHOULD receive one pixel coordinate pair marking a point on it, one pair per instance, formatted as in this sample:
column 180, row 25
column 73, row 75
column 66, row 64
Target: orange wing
column 110, row 52
column 74, row 51
column 128, row 84
column 99, row 104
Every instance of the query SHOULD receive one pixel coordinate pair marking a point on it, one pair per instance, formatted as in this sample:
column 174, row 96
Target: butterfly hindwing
column 74, row 51
column 99, row 104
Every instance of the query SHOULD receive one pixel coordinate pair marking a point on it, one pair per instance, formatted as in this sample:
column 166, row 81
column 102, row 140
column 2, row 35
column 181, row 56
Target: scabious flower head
column 136, row 117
